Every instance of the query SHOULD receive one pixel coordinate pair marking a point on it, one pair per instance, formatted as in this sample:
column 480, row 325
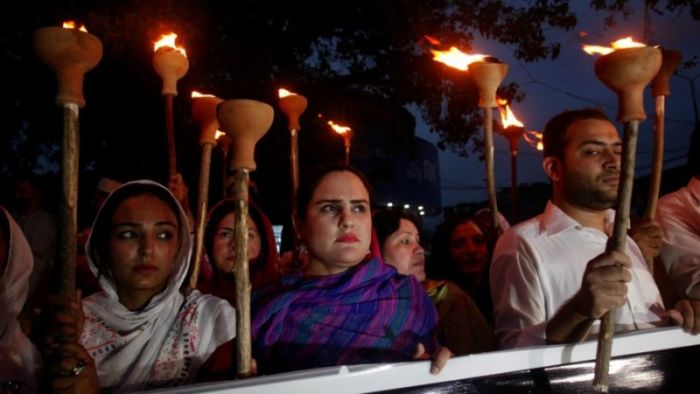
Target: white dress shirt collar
column 554, row 220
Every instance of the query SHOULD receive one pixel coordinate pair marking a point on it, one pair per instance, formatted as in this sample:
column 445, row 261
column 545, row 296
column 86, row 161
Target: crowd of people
column 363, row 289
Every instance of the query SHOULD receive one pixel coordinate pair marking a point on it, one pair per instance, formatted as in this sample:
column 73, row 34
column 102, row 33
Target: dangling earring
column 299, row 258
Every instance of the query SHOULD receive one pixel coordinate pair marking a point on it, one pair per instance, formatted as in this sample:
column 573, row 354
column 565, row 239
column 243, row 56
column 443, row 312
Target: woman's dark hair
column 217, row 215
column 440, row 265
column 387, row 221
column 308, row 185
column 100, row 229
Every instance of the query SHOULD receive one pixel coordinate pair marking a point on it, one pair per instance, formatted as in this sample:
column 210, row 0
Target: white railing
column 379, row 377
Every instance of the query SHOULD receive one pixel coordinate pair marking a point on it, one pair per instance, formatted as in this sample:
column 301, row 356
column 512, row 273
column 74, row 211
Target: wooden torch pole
column 626, row 72
column 224, row 144
column 245, row 122
column 170, row 133
column 70, row 53
column 513, row 134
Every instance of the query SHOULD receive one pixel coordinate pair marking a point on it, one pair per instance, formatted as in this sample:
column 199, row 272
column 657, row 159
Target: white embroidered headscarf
column 20, row 361
column 164, row 343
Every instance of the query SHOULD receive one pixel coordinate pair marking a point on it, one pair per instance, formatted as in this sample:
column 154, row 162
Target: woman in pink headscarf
column 139, row 332
column 20, row 362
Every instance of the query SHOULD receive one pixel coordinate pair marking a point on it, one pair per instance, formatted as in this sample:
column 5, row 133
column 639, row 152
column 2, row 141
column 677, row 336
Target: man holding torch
column 555, row 264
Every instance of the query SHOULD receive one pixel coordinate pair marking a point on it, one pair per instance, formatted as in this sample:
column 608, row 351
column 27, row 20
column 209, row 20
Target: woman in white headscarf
column 140, row 330
column 20, row 362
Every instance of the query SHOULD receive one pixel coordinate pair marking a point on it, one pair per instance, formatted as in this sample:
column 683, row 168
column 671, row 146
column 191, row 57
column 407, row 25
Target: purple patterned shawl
column 367, row 314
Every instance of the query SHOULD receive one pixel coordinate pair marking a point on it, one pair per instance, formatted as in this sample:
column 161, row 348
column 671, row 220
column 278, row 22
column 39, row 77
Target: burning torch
column 513, row 130
column 346, row 133
column 245, row 122
column 626, row 69
column 293, row 105
column 170, row 62
column 204, row 112
column 487, row 74
column 70, row 52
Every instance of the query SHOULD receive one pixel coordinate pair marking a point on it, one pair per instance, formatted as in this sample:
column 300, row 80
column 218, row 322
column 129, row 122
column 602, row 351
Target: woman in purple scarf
column 347, row 306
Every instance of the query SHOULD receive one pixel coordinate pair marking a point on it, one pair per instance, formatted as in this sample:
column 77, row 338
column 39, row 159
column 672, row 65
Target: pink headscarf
column 20, row 361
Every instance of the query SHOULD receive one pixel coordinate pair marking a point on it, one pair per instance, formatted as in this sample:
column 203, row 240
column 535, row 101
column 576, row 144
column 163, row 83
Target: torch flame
column 168, row 40
column 622, row 43
column 456, row 58
column 507, row 116
column 285, row 93
column 197, row 94
column 71, row 25
column 534, row 138
column 432, row 40
column 219, row 133
column 338, row 128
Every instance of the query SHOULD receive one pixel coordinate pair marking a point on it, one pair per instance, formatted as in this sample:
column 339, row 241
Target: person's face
column 468, row 248
column 589, row 174
column 143, row 243
column 337, row 226
column 223, row 245
column 402, row 250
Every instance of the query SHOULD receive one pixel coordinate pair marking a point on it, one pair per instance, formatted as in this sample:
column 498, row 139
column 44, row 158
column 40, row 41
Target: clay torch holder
column 171, row 65
column 204, row 112
column 488, row 77
column 513, row 134
column 671, row 59
column 626, row 72
column 245, row 122
column 70, row 53
column 293, row 106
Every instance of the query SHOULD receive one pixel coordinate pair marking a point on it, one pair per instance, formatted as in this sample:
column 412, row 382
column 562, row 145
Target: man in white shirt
column 679, row 215
column 551, row 279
